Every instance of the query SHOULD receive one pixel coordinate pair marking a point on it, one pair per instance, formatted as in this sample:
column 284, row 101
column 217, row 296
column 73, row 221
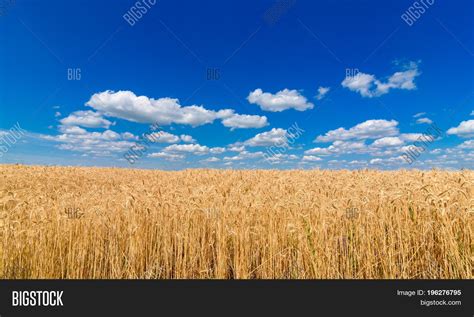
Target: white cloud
column 419, row 114
column 217, row 150
column 188, row 148
column 389, row 161
column 322, row 91
column 211, row 160
column 95, row 143
column 236, row 148
column 279, row 158
column 88, row 119
column 165, row 111
column 376, row 161
column 469, row 144
column 348, row 147
column 387, row 142
column 311, row 158
column 318, row 151
column 71, row 130
column 357, row 162
column 402, row 79
column 163, row 137
column 244, row 155
column 411, row 137
column 57, row 114
column 410, row 148
column 353, row 140
column 282, row 100
column 370, row 129
column 233, row 158
column 368, row 85
column 424, row 120
column 340, row 147
column 167, row 156
column 465, row 129
column 361, row 83
column 275, row 136
column 249, row 155
column 392, row 150
column 193, row 149
column 129, row 136
column 187, row 138
column 126, row 105
column 472, row 113
column 244, row 121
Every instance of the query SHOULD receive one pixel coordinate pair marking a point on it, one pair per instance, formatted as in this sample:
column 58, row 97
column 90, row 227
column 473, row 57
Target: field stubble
column 234, row 224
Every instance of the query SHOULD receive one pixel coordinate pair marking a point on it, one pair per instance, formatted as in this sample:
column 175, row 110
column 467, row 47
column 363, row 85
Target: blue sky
column 238, row 84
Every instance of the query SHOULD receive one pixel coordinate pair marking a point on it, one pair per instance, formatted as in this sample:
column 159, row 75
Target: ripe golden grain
column 234, row 224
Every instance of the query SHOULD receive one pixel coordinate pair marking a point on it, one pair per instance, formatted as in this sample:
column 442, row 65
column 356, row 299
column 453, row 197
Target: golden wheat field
column 68, row 222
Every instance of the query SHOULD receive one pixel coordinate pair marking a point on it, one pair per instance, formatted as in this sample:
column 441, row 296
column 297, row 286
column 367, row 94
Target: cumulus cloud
column 370, row 129
column 424, row 120
column 411, row 137
column 71, row 130
column 469, row 144
column 387, row 142
column 357, row 162
column 165, row 111
column 196, row 149
column 275, row 136
column 217, row 150
column 244, row 155
column 322, row 91
column 236, row 148
column 104, row 143
column 361, row 83
column 166, row 156
column 126, row 105
column 340, row 147
column 88, row 119
column 348, row 147
column 388, row 161
column 311, row 158
column 187, row 138
column 244, row 121
column 187, row 148
column 211, row 159
column 282, row 100
column 392, row 150
column 129, row 136
column 367, row 85
column 279, row 158
column 465, row 129
column 163, row 137
column 319, row 151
